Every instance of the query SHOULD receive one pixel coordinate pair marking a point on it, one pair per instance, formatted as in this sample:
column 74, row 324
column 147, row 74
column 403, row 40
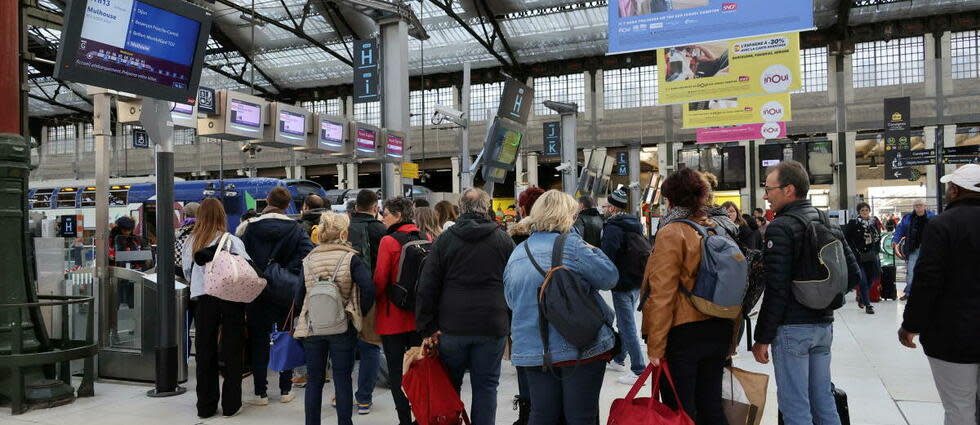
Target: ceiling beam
column 498, row 31
column 58, row 104
column 221, row 38
column 447, row 7
column 240, row 80
column 287, row 28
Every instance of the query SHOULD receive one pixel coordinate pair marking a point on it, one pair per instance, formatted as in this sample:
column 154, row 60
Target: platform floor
column 886, row 384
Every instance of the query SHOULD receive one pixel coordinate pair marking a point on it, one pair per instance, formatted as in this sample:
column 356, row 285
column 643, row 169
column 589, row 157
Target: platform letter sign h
column 366, row 75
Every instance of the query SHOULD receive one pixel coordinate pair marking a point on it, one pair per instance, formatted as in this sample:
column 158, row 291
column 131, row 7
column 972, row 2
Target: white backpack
column 325, row 307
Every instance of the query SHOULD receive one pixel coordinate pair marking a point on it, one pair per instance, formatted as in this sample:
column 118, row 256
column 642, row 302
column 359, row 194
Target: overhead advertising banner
column 726, row 69
column 898, row 137
column 769, row 130
column 651, row 24
column 737, row 111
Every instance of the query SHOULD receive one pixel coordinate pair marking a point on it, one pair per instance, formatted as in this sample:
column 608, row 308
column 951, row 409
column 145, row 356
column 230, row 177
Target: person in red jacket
column 395, row 325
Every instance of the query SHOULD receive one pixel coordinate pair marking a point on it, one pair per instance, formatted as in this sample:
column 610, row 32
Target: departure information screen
column 395, row 146
column 137, row 40
column 183, row 108
column 331, row 134
column 366, row 140
column 245, row 113
column 292, row 123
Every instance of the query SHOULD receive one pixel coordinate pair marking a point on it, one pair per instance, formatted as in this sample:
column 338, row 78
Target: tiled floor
column 886, row 385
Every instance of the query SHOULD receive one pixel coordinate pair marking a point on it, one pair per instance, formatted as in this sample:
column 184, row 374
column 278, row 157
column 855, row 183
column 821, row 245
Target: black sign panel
column 515, row 101
column 912, row 162
column 961, row 160
column 367, row 74
column 962, row 150
column 140, row 139
column 622, row 164
column 917, row 154
column 206, row 102
column 68, row 226
column 898, row 136
column 552, row 138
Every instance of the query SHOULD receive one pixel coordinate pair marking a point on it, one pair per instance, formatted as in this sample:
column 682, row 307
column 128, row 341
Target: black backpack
column 359, row 236
column 820, row 278
column 565, row 303
column 415, row 249
column 632, row 260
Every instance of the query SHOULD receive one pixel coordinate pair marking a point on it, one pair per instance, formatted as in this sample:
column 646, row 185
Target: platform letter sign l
column 366, row 74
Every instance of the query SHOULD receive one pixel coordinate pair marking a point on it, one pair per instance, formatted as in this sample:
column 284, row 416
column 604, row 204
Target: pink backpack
column 230, row 277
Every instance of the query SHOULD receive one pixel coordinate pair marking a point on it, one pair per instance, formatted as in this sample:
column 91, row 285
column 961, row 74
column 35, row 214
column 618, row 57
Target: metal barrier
column 63, row 350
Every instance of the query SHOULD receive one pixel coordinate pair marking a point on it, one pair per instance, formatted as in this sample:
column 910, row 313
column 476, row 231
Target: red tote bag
column 648, row 410
column 427, row 386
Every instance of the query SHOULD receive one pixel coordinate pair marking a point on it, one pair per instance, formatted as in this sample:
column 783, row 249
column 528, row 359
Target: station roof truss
column 300, row 49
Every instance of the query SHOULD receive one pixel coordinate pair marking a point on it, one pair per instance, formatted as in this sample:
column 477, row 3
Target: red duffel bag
column 427, row 386
column 648, row 410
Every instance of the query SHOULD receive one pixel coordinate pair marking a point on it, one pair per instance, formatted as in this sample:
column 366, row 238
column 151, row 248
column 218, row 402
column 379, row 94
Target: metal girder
column 383, row 9
column 240, row 80
column 58, row 104
column 288, row 29
column 551, row 10
column 221, row 38
column 497, row 31
column 447, row 7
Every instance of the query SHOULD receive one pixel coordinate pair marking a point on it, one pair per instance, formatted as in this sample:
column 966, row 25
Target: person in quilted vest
column 213, row 314
column 333, row 257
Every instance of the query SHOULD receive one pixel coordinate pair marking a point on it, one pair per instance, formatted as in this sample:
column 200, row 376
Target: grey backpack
column 325, row 306
column 723, row 274
column 820, row 277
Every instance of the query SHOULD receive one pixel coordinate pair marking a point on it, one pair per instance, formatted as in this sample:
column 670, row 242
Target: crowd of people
column 449, row 278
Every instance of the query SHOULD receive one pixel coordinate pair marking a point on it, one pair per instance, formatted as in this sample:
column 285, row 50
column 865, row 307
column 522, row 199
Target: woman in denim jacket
column 571, row 387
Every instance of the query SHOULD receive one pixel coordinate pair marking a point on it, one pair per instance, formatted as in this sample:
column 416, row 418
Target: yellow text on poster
column 738, row 111
column 732, row 68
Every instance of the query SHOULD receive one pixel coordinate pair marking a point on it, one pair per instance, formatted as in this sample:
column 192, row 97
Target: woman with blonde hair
column 428, row 222
column 332, row 262
column 213, row 313
column 570, row 388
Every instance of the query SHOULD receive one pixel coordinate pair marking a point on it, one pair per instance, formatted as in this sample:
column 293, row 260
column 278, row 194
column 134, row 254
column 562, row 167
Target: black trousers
column 696, row 355
column 216, row 317
column 259, row 328
column 395, row 347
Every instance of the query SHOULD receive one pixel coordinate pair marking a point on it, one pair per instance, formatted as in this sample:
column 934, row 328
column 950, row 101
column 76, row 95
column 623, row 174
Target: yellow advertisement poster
column 732, row 68
column 738, row 111
column 410, row 170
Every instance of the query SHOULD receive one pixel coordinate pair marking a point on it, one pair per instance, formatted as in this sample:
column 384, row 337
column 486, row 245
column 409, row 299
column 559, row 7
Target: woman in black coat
column 863, row 234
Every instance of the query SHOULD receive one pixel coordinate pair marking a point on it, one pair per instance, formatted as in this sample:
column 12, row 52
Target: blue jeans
column 367, row 372
column 624, row 302
column 910, row 261
column 572, row 391
column 481, row 355
column 801, row 359
column 341, row 349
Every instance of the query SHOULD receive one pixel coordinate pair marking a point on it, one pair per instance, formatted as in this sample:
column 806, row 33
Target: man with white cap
column 947, row 297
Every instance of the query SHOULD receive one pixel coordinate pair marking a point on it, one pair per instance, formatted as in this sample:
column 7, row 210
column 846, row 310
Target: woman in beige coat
column 338, row 289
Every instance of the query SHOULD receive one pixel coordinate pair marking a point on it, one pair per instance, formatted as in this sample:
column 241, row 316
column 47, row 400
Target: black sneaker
column 869, row 310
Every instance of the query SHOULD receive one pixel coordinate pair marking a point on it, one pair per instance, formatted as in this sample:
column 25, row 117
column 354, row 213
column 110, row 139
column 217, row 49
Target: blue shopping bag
column 285, row 352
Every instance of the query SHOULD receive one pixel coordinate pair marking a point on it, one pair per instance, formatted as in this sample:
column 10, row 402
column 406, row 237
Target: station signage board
column 737, row 111
column 515, row 101
column 552, row 138
column 636, row 25
column 724, row 69
column 898, row 137
column 140, row 139
column 622, row 164
column 766, row 131
column 367, row 74
column 206, row 101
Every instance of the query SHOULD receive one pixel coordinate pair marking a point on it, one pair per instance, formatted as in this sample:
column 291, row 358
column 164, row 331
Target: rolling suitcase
column 840, row 397
column 888, row 289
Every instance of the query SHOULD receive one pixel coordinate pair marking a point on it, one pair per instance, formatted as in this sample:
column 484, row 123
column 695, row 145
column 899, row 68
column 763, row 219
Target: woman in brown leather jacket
column 695, row 345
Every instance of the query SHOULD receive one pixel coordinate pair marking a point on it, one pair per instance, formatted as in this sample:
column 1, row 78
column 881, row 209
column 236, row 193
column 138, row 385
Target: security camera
column 444, row 113
column 564, row 167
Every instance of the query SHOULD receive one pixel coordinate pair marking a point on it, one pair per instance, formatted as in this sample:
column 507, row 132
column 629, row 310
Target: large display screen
column 153, row 48
column 245, row 113
column 366, row 140
column 331, row 135
column 395, row 146
column 183, row 108
column 291, row 123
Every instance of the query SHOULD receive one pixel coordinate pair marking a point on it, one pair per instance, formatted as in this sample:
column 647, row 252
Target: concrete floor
column 886, row 384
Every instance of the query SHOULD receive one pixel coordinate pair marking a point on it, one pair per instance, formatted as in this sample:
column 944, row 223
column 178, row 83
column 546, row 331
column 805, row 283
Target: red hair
column 528, row 197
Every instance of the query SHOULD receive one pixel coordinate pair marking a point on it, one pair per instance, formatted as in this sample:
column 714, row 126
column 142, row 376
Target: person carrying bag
column 649, row 410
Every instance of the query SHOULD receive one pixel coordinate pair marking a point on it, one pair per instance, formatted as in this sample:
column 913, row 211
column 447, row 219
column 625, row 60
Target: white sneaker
column 259, row 401
column 618, row 367
column 286, row 398
column 628, row 378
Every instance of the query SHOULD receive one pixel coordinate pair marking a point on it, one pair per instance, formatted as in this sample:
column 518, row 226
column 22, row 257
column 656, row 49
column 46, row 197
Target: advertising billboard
column 651, row 24
column 727, row 69
column 737, row 111
column 767, row 131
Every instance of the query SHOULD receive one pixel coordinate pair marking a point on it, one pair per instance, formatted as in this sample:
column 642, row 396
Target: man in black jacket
column 313, row 206
column 801, row 337
column 460, row 303
column 947, row 297
column 275, row 242
column 589, row 222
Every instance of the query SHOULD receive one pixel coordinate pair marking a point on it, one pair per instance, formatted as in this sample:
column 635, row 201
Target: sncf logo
column 743, row 78
column 776, row 78
column 729, row 6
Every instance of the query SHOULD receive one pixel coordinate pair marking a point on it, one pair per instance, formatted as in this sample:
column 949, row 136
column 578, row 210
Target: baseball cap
column 967, row 177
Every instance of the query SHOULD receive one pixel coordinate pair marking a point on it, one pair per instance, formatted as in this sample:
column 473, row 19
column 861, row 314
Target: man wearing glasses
column 800, row 336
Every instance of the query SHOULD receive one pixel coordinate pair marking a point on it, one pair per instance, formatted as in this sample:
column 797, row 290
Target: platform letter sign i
column 367, row 80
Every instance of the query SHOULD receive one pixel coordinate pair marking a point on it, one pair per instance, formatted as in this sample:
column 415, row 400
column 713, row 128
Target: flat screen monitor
column 395, row 144
column 503, row 144
column 292, row 126
column 690, row 158
column 770, row 154
column 182, row 108
column 733, row 168
column 366, row 139
column 245, row 114
column 152, row 48
column 331, row 134
column 183, row 115
column 711, row 161
column 819, row 163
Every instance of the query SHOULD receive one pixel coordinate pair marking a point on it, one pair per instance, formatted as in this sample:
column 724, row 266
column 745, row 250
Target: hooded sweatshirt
column 461, row 290
column 613, row 241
